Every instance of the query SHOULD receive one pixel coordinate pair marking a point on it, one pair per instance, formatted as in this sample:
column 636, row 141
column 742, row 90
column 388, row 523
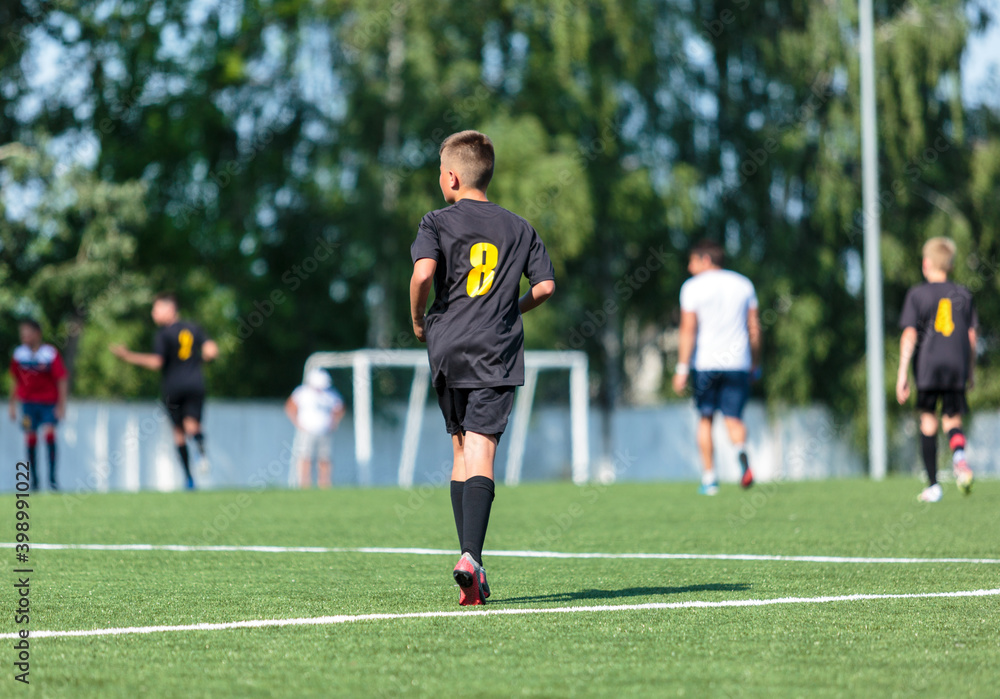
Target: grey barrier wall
column 128, row 447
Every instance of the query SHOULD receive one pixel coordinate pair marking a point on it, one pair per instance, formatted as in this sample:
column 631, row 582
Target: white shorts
column 307, row 445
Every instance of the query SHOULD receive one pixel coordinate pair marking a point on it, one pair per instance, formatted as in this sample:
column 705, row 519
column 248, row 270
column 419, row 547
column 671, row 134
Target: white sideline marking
column 507, row 554
column 344, row 618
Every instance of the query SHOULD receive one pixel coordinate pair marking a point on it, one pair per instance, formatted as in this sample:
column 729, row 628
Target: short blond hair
column 941, row 253
column 470, row 154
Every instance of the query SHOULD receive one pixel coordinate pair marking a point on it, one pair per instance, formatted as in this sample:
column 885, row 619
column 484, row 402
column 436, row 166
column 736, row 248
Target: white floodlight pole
column 872, row 237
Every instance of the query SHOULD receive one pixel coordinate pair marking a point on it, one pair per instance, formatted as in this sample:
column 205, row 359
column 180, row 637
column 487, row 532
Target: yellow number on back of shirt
column 484, row 258
column 944, row 322
column 186, row 340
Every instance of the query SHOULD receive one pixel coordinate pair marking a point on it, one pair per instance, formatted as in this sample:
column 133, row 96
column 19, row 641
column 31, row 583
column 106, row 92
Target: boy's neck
column 473, row 194
column 936, row 276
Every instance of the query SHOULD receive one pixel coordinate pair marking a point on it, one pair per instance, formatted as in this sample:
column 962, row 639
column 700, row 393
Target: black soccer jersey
column 180, row 347
column 474, row 334
column 943, row 314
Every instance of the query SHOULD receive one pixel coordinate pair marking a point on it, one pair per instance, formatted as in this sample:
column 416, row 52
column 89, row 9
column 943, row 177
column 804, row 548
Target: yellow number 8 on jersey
column 944, row 322
column 186, row 340
column 484, row 258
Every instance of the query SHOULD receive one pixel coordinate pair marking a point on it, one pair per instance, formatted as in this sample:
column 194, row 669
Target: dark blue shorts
column 34, row 415
column 725, row 391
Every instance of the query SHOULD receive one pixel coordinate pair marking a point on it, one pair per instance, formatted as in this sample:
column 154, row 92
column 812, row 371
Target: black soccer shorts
column 184, row 404
column 480, row 410
column 952, row 402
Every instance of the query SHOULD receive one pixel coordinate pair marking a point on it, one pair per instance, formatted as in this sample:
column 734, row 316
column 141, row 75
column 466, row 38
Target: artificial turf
column 889, row 647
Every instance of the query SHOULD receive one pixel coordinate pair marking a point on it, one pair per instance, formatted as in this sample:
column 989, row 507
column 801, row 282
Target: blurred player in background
column 179, row 350
column 315, row 408
column 720, row 350
column 41, row 384
column 475, row 253
column 939, row 334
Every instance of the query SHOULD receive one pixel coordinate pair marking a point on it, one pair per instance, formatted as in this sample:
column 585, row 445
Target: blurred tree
column 285, row 153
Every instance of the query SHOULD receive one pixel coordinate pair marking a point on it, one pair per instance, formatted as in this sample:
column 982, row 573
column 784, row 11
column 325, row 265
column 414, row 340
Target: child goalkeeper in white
column 315, row 409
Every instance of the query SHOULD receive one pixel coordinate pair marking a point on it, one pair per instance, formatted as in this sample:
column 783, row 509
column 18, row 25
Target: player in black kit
column 475, row 253
column 939, row 333
column 179, row 350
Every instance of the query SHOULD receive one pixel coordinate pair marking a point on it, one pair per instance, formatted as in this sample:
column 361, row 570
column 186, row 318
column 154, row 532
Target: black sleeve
column 427, row 244
column 200, row 336
column 973, row 315
column 910, row 316
column 539, row 266
column 160, row 344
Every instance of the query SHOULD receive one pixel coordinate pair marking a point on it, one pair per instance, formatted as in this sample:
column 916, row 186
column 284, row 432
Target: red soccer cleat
column 484, row 587
column 747, row 479
column 467, row 575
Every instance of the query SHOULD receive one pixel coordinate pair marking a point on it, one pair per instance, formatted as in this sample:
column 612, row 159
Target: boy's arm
column 292, row 411
column 753, row 332
column 420, row 289
column 907, row 346
column 971, row 383
column 13, row 398
column 146, row 360
column 536, row 295
column 685, row 348
column 63, row 386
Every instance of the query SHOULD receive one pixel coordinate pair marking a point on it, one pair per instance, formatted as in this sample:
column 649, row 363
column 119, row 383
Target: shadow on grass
column 625, row 592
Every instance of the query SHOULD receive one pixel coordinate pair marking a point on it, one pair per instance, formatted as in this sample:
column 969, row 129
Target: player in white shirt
column 315, row 409
column 720, row 349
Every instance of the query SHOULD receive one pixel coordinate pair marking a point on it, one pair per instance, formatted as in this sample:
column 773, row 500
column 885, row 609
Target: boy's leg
column 733, row 396
column 705, row 448
column 458, row 485
column 952, row 425
column 182, row 451
column 738, row 436
column 50, row 443
column 928, row 444
column 479, row 451
column 31, row 442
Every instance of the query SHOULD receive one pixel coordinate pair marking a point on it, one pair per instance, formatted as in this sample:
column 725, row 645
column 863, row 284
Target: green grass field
column 944, row 646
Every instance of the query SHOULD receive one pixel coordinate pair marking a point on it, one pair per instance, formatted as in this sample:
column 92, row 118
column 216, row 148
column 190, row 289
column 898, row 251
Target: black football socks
column 477, row 499
column 457, row 490
column 199, row 441
column 744, row 461
column 928, row 445
column 32, row 466
column 185, row 460
column 50, row 442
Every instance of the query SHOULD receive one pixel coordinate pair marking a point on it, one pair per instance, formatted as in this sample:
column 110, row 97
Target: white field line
column 344, row 618
column 508, row 554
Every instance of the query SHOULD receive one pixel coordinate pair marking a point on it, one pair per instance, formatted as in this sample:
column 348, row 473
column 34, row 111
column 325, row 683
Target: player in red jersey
column 41, row 384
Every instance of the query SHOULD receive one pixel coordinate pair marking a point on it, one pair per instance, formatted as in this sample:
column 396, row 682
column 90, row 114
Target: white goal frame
column 362, row 361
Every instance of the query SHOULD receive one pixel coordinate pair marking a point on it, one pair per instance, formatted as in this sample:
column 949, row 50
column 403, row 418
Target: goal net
column 362, row 362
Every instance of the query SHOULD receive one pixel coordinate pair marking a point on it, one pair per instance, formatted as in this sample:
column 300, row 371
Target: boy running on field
column 41, row 384
column 179, row 351
column 475, row 252
column 939, row 333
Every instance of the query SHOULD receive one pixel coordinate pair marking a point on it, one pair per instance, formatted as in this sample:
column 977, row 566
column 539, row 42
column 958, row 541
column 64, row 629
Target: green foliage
column 270, row 163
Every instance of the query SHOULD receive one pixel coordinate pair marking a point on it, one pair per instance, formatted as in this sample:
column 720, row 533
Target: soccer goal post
column 361, row 363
